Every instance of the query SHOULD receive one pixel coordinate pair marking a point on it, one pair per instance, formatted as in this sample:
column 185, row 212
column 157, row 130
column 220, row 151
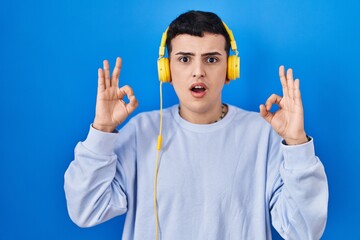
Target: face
column 198, row 68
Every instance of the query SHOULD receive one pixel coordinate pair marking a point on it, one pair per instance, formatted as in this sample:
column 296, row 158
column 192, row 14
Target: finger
column 265, row 113
column 127, row 91
column 283, row 81
column 121, row 93
column 297, row 92
column 273, row 99
column 116, row 72
column 107, row 73
column 290, row 82
column 133, row 104
column 101, row 83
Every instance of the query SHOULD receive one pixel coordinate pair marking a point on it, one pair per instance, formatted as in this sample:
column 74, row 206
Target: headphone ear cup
column 233, row 70
column 164, row 70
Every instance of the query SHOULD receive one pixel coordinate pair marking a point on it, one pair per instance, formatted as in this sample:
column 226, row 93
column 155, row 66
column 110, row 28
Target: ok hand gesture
column 111, row 109
column 288, row 121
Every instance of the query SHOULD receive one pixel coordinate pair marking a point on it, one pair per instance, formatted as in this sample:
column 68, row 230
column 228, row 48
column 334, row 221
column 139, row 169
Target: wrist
column 103, row 128
column 298, row 141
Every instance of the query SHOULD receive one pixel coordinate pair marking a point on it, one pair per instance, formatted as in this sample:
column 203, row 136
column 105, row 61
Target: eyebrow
column 204, row 54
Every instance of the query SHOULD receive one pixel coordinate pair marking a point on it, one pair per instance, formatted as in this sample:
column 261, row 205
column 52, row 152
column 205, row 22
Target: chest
column 209, row 168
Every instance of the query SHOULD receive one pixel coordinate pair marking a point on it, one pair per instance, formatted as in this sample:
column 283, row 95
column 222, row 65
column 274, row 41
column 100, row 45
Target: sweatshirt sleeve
column 299, row 202
column 95, row 181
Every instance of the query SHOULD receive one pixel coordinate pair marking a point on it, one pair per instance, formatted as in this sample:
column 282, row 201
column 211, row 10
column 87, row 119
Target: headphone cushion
column 164, row 70
column 233, row 67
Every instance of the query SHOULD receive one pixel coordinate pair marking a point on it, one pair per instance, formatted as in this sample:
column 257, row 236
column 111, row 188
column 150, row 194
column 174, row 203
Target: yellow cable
column 155, row 197
column 158, row 149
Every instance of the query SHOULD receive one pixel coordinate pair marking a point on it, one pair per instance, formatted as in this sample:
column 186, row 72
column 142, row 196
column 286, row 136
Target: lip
column 198, row 94
column 201, row 84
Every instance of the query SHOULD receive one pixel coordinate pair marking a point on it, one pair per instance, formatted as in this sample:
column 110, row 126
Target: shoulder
column 151, row 118
column 249, row 123
column 254, row 128
column 246, row 116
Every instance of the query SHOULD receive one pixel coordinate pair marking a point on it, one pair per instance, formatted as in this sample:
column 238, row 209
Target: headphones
column 233, row 69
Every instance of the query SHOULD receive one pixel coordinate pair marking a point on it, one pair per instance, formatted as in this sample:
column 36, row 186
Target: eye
column 211, row 60
column 184, row 59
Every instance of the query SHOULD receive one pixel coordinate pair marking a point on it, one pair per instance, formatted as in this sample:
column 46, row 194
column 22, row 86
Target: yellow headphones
column 233, row 70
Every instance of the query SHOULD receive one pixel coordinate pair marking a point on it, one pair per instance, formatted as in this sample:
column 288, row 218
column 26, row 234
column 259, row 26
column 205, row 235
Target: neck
column 204, row 117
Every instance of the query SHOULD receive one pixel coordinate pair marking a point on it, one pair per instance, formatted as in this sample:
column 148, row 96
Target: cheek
column 179, row 88
column 175, row 67
column 177, row 84
column 178, row 73
column 177, row 78
column 219, row 79
column 219, row 73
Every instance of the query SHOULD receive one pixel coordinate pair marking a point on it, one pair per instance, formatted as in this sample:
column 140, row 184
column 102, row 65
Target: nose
column 198, row 70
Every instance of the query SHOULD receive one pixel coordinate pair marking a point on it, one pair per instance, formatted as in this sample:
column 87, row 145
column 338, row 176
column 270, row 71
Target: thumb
column 265, row 113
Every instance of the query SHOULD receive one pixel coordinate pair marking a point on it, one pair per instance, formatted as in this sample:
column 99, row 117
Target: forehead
column 208, row 43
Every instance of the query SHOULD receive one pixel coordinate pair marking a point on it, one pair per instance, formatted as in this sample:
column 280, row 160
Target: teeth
column 198, row 87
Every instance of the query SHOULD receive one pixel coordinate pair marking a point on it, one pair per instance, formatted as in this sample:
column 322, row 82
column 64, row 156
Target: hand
column 288, row 121
column 111, row 109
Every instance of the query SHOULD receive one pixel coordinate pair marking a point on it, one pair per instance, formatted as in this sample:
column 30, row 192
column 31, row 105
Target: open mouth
column 198, row 89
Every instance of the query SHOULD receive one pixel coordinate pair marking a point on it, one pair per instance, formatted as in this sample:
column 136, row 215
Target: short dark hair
column 196, row 23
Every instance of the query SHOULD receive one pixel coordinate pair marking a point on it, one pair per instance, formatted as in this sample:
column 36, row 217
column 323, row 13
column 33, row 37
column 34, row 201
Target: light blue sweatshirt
column 222, row 181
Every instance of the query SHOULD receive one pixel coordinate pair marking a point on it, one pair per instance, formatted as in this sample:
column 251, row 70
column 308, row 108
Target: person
column 222, row 172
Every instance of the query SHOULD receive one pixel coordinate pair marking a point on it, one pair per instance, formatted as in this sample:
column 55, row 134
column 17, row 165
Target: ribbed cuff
column 99, row 142
column 299, row 156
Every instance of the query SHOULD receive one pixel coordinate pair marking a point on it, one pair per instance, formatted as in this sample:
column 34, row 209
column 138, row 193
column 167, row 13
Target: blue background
column 49, row 55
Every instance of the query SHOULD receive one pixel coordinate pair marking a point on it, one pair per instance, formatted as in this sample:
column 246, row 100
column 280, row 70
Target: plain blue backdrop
column 49, row 55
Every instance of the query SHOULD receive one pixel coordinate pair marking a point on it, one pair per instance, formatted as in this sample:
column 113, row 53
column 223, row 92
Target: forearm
column 93, row 192
column 300, row 208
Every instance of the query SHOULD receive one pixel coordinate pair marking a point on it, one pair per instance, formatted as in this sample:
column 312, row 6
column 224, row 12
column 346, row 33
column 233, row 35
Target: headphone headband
column 228, row 30
column 232, row 39
column 163, row 43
